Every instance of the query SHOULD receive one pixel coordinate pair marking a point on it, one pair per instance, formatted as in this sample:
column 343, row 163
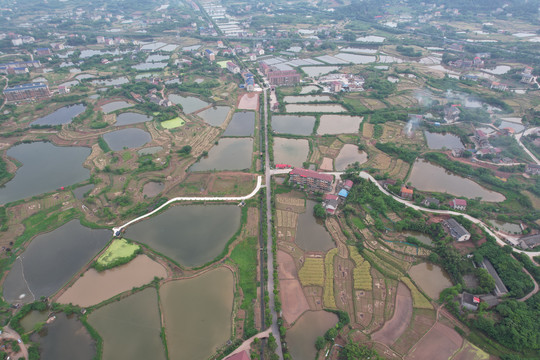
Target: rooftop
column 312, row 174
column 28, row 86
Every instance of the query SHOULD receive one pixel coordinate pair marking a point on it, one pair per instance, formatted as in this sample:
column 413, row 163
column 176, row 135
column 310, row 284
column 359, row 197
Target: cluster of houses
column 19, row 67
column 110, row 41
column 279, row 74
column 335, row 83
column 30, row 91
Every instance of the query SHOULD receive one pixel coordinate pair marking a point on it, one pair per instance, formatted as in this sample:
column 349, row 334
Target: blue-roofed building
column 27, row 91
column 209, row 55
column 343, row 193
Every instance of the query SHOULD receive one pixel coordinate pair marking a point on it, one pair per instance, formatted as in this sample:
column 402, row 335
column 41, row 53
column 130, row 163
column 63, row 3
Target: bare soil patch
column 422, row 321
column 441, row 342
column 293, row 301
column 401, row 319
column 286, row 267
column 249, row 101
column 326, row 165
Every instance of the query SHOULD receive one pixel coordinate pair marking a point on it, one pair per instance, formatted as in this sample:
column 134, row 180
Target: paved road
column 518, row 138
column 116, row 230
column 270, row 254
column 10, row 334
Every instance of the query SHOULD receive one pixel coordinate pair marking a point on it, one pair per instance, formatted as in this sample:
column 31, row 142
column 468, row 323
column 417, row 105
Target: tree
column 319, row 211
column 353, row 351
column 185, row 150
column 320, row 343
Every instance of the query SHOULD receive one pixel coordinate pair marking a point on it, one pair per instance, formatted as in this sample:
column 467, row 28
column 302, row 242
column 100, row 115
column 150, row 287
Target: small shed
column 343, row 193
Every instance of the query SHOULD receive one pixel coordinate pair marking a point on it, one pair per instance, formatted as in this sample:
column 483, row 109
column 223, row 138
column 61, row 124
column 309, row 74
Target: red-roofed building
column 458, row 204
column 406, row 193
column 311, row 179
column 239, row 356
column 347, row 185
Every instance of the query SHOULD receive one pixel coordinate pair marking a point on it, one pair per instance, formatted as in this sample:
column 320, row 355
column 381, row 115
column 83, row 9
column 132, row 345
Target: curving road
column 518, row 138
column 117, row 230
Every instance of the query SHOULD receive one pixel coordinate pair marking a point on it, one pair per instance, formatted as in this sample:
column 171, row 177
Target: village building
column 429, row 201
column 406, row 193
column 458, row 204
column 500, row 288
column 27, row 92
column 495, row 85
column 343, row 193
column 239, row 356
column 43, row 52
column 456, row 230
column 532, row 169
column 529, row 242
column 451, row 114
column 481, row 139
column 232, row 67
column 209, row 55
column 278, row 76
column 310, row 179
column 469, row 301
column 330, row 203
column 347, row 185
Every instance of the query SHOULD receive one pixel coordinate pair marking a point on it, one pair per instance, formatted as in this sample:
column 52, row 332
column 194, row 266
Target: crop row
column 419, row 300
column 312, row 273
column 328, row 295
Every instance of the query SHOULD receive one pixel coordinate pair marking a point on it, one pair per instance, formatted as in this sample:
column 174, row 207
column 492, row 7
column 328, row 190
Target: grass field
column 312, row 273
column 328, row 295
column 419, row 300
column 244, row 256
column 173, row 123
column 119, row 252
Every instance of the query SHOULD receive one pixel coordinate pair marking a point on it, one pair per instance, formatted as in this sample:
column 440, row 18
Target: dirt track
column 293, row 300
column 401, row 319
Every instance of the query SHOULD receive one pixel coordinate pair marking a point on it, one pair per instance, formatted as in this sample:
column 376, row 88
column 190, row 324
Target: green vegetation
column 244, row 256
column 353, row 351
column 377, row 131
column 173, row 123
column 103, row 145
column 5, row 175
column 400, row 152
column 408, row 51
column 419, row 300
column 328, row 295
column 312, row 272
column 118, row 253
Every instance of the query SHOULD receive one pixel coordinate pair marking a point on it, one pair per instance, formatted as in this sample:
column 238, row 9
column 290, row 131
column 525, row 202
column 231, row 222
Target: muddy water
column 301, row 337
column 309, row 88
column 428, row 177
column 32, row 319
column 311, row 235
column 130, row 327
column 94, row 287
column 348, row 155
column 290, row 151
column 115, row 105
column 423, row 238
column 198, row 314
column 295, row 125
column 313, row 108
column 127, row 138
column 149, row 150
column 189, row 103
column 242, row 124
column 430, row 278
column 61, row 116
column 45, row 168
column 507, row 227
column 191, row 235
column 80, row 191
column 66, row 339
column 215, row 116
column 306, row 99
column 152, row 188
column 339, row 124
column 439, row 141
column 51, row 260
column 129, row 118
column 228, row 154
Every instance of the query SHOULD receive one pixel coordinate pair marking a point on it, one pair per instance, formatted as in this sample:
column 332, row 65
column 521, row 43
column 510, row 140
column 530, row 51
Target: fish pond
column 316, row 71
column 506, row 226
column 94, row 287
column 439, row 141
column 242, row 124
column 309, row 88
column 306, row 99
column 291, row 124
column 129, row 118
column 228, row 154
column 81, row 190
column 33, row 318
column 215, row 115
column 45, row 167
column 428, row 177
column 314, row 108
column 339, row 124
column 66, row 339
column 115, row 105
column 191, row 235
column 348, row 155
column 305, row 331
column 430, row 278
column 149, row 150
column 203, row 322
column 61, row 116
column 311, row 234
column 423, row 238
column 51, row 260
column 290, row 151
column 189, row 103
column 111, row 82
column 127, row 138
column 130, row 327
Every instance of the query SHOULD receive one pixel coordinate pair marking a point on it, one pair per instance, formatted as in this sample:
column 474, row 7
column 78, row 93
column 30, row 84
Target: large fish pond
column 191, row 235
column 45, row 167
column 228, row 154
column 51, row 260
column 61, row 116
